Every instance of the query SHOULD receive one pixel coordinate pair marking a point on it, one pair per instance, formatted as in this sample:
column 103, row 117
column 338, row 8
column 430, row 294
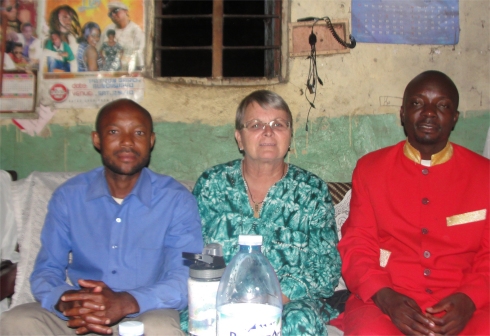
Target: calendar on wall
column 406, row 21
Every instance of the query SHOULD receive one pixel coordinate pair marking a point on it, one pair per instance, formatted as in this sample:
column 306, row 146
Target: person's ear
column 455, row 119
column 96, row 140
column 402, row 115
column 152, row 139
column 238, row 138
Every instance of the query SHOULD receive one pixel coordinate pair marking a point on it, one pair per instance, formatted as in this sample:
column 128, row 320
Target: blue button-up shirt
column 135, row 246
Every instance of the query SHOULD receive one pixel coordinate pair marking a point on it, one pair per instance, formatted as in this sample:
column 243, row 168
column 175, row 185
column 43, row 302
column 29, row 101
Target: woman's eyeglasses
column 275, row 125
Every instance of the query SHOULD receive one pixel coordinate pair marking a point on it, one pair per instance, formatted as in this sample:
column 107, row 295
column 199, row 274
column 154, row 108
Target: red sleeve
column 359, row 248
column 476, row 283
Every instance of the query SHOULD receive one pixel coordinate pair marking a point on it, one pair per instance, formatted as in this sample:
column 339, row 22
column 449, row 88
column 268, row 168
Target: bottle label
column 202, row 307
column 249, row 319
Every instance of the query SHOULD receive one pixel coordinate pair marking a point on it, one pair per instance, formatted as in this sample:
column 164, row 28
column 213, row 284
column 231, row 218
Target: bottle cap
column 131, row 328
column 250, row 240
column 213, row 249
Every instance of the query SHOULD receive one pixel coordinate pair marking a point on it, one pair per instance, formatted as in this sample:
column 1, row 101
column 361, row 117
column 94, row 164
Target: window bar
column 157, row 52
column 277, row 37
column 218, row 10
column 224, row 48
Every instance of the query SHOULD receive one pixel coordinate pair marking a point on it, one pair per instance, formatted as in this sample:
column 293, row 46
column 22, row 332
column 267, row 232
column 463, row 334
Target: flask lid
column 250, row 240
column 208, row 265
column 131, row 328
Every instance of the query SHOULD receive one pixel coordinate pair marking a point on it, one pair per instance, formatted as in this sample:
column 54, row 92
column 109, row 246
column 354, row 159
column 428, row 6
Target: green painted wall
column 330, row 148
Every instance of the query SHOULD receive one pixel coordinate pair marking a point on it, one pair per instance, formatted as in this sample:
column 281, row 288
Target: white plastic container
column 204, row 277
column 131, row 328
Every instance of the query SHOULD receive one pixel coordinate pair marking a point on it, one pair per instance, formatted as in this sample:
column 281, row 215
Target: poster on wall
column 19, row 58
column 22, row 48
column 92, row 52
column 406, row 21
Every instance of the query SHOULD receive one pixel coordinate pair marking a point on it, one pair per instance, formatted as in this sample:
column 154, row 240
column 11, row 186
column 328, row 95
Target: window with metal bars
column 218, row 38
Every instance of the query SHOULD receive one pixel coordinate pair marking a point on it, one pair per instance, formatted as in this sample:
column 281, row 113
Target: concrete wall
column 194, row 124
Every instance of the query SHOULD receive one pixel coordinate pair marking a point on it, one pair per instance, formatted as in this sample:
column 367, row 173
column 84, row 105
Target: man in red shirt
column 415, row 249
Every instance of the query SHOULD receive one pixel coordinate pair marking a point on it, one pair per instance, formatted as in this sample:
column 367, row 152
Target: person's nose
column 267, row 129
column 127, row 140
column 429, row 110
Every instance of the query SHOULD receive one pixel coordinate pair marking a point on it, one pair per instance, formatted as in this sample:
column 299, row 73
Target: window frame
column 280, row 53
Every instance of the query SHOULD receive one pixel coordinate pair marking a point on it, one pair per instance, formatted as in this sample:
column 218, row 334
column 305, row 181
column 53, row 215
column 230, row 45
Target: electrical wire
column 313, row 77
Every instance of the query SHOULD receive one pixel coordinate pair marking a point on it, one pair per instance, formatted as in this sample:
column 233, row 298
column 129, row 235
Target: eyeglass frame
column 244, row 125
column 114, row 11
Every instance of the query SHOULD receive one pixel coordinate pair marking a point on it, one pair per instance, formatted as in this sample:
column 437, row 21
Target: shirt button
column 114, row 272
column 425, row 171
column 427, row 272
column 427, row 254
column 118, row 220
column 425, row 201
column 114, row 246
column 428, row 291
column 425, row 231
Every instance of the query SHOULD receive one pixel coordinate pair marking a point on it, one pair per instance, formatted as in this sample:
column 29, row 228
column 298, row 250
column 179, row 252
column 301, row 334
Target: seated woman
column 289, row 206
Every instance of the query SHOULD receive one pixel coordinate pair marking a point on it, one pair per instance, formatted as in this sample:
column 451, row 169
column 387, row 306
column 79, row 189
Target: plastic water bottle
column 204, row 277
column 249, row 300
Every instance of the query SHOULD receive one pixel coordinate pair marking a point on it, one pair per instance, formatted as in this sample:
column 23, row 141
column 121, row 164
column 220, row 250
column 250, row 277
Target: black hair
column 87, row 29
column 54, row 22
column 114, row 104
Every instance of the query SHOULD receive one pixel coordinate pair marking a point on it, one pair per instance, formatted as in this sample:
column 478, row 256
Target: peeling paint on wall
column 330, row 148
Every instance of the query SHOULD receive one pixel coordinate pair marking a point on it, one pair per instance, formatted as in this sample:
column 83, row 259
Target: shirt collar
column 439, row 158
column 142, row 189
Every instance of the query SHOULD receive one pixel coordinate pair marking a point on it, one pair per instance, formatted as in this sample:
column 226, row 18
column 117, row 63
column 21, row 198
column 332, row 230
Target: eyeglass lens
column 260, row 125
column 114, row 11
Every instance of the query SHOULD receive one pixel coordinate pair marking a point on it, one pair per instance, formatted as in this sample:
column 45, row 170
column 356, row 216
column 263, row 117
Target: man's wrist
column 130, row 304
column 379, row 298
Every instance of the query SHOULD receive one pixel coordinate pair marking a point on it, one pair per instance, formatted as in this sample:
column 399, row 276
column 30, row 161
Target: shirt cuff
column 477, row 294
column 373, row 285
column 49, row 301
column 149, row 301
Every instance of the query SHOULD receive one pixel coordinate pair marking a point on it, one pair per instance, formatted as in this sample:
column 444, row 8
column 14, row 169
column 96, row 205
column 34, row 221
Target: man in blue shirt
column 126, row 228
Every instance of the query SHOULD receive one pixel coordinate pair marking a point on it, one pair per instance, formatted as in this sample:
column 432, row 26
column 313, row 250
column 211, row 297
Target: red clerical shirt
column 422, row 231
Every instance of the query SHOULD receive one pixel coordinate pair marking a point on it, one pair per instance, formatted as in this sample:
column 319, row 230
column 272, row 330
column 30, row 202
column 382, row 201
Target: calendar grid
column 406, row 21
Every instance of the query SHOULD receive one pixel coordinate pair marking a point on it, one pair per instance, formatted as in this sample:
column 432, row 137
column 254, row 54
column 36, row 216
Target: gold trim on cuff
column 384, row 255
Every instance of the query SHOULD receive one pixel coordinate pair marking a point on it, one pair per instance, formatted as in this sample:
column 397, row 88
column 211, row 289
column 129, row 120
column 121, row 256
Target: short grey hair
column 266, row 99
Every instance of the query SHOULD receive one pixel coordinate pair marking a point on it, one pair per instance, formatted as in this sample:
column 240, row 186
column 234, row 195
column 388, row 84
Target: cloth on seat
column 341, row 214
column 486, row 148
column 30, row 197
column 8, row 231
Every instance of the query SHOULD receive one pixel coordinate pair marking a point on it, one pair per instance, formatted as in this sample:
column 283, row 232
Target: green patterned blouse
column 297, row 222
